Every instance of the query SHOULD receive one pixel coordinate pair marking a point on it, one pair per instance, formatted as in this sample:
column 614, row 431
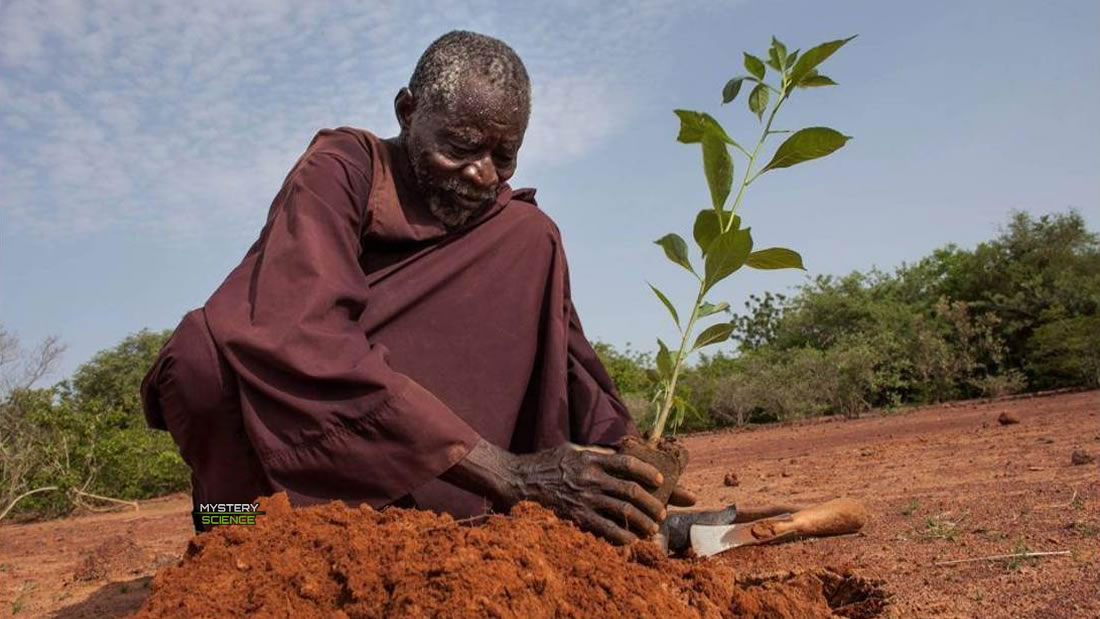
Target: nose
column 481, row 173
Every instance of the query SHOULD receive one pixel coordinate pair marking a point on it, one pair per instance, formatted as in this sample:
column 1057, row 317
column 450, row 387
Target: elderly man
column 401, row 332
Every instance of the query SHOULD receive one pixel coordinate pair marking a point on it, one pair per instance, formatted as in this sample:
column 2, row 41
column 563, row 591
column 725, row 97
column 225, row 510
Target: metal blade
column 709, row 540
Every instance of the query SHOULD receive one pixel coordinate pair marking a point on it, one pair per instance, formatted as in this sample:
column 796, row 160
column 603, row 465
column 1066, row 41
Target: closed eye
column 462, row 150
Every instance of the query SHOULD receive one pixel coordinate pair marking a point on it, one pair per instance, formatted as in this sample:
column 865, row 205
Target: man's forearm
column 489, row 471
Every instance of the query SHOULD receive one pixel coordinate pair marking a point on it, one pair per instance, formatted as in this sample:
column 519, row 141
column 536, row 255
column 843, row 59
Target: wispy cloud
column 180, row 119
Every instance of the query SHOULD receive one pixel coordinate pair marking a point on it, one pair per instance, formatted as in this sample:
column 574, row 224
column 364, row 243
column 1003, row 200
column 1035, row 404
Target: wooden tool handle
column 754, row 513
column 835, row 517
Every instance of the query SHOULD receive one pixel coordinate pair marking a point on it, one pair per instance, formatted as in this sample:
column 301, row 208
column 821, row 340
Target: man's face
column 461, row 155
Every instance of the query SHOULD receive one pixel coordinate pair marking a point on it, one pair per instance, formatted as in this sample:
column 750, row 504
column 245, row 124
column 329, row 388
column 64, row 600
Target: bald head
column 459, row 59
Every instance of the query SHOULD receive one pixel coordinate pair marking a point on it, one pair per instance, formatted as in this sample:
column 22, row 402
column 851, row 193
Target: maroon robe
column 360, row 349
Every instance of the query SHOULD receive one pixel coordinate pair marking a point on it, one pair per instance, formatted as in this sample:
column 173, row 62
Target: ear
column 404, row 105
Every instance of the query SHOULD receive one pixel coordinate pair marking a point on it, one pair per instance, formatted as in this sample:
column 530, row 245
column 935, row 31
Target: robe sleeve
column 327, row 415
column 597, row 413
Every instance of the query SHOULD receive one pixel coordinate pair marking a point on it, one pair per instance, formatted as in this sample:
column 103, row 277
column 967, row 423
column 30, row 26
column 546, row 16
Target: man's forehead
column 475, row 101
column 468, row 119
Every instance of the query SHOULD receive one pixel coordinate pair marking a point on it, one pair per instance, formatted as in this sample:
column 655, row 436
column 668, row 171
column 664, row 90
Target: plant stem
column 670, row 392
column 681, row 353
column 746, row 180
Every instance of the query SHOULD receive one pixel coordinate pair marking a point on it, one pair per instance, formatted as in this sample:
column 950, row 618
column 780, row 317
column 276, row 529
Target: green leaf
column 713, row 334
column 791, row 57
column 676, row 250
column 813, row 57
column 725, row 255
column 708, row 226
column 730, row 90
column 668, row 304
column 691, row 126
column 677, row 416
column 708, row 309
column 653, row 375
column 664, row 360
column 804, row 145
column 780, row 50
column 775, row 258
column 815, row 81
column 694, row 125
column 688, row 407
column 758, row 100
column 778, row 54
column 718, row 167
column 754, row 65
column 773, row 60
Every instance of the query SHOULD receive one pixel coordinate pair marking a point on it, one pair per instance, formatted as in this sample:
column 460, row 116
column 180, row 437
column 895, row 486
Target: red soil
column 941, row 483
column 334, row 561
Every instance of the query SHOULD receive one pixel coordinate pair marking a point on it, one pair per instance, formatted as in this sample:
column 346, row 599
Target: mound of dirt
column 336, row 561
column 115, row 557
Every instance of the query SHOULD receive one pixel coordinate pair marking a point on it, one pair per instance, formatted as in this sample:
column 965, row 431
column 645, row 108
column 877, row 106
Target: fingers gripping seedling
column 724, row 243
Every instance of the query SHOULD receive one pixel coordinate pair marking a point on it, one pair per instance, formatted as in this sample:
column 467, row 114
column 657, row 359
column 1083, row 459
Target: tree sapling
column 724, row 243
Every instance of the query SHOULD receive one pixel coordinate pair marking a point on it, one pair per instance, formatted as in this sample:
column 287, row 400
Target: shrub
column 998, row 385
column 87, row 435
column 1067, row 352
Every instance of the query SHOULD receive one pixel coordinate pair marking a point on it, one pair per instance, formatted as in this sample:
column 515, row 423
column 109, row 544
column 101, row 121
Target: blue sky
column 141, row 142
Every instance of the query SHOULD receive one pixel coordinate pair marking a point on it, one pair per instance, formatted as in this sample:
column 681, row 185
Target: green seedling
column 941, row 528
column 725, row 244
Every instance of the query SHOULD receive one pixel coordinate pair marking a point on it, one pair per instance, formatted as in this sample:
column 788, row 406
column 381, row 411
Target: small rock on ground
column 1006, row 419
column 1080, row 457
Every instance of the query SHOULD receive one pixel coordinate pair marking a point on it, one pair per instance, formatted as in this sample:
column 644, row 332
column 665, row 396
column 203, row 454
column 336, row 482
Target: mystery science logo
column 227, row 513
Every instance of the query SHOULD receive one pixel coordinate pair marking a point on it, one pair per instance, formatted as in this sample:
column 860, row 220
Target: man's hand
column 682, row 497
column 603, row 493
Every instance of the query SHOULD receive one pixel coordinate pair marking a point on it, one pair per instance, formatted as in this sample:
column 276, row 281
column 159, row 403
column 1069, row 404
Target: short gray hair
column 459, row 54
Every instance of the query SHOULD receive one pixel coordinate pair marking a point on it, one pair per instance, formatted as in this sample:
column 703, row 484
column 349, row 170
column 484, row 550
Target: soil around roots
column 336, row 561
column 669, row 457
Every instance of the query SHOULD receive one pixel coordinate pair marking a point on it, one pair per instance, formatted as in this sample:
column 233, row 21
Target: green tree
column 627, row 368
column 1037, row 270
column 1067, row 352
column 86, row 437
column 112, row 378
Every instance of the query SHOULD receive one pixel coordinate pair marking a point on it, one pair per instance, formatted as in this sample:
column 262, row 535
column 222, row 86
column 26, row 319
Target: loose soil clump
column 337, row 561
column 115, row 557
column 669, row 457
column 1081, row 457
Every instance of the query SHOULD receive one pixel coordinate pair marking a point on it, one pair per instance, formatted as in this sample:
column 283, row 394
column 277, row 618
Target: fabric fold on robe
column 370, row 347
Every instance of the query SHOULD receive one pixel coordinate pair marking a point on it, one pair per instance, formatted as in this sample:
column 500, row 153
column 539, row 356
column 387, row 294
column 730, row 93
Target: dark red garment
column 360, row 349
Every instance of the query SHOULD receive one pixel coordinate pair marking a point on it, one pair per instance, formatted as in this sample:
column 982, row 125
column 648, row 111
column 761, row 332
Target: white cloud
column 180, row 119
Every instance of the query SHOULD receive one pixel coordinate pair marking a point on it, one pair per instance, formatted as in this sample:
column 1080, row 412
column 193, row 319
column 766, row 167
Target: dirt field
column 941, row 483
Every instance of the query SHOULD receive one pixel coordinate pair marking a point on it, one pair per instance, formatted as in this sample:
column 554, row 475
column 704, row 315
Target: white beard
column 452, row 215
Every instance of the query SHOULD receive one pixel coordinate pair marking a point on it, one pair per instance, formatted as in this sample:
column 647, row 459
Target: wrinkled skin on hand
column 605, row 494
column 602, row 491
